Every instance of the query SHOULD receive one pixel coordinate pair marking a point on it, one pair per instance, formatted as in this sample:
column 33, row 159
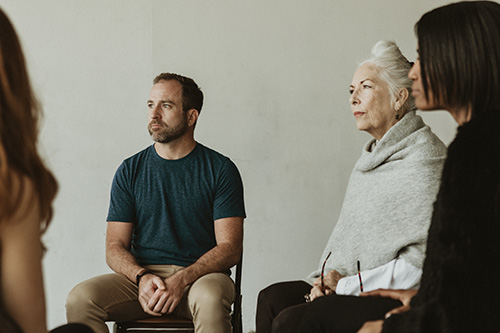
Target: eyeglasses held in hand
column 360, row 281
column 323, row 273
column 308, row 296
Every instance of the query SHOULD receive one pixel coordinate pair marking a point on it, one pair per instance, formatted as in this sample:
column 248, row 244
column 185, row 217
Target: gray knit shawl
column 388, row 203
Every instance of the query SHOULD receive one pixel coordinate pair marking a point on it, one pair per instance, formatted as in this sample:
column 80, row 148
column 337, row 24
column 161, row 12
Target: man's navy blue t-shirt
column 174, row 203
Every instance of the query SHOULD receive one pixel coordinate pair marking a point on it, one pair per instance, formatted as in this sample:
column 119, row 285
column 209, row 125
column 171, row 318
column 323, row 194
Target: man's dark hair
column 192, row 96
column 459, row 47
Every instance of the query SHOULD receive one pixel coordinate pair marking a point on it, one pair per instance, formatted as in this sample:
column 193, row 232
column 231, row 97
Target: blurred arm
column 21, row 266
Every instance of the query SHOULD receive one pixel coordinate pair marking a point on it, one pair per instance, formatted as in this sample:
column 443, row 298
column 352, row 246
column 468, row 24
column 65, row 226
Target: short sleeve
column 228, row 200
column 122, row 204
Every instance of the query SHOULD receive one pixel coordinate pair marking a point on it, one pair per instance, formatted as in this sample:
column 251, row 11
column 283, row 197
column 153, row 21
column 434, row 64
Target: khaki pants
column 113, row 297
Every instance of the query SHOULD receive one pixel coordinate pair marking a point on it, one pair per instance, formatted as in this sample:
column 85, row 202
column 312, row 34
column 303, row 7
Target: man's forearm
column 123, row 262
column 219, row 259
column 227, row 252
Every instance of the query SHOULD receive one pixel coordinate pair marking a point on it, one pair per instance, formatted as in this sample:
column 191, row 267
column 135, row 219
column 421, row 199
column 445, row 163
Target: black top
column 460, row 288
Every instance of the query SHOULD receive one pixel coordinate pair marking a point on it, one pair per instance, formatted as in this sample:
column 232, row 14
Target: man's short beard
column 167, row 134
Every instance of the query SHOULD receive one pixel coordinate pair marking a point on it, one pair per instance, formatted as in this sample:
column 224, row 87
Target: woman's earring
column 397, row 113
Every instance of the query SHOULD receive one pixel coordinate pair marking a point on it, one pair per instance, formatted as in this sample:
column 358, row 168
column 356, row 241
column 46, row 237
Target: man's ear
column 192, row 117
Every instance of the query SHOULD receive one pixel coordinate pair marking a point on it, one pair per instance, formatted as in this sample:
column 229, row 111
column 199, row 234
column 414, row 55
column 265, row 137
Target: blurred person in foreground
column 27, row 189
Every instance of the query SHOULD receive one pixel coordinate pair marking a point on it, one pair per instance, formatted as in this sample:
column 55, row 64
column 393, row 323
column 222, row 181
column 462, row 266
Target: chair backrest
column 172, row 323
column 236, row 316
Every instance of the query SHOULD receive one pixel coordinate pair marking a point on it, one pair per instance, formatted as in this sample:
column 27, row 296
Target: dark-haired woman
column 459, row 71
column 27, row 189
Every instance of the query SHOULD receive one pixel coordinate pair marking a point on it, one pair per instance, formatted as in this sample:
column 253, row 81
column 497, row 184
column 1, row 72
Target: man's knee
column 210, row 299
column 80, row 299
column 90, row 297
column 211, row 293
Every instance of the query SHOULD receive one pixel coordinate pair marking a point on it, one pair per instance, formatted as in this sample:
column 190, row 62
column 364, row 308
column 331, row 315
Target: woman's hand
column 317, row 292
column 372, row 327
column 331, row 279
column 402, row 295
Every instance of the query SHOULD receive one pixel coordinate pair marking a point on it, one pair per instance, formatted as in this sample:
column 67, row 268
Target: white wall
column 91, row 66
column 275, row 76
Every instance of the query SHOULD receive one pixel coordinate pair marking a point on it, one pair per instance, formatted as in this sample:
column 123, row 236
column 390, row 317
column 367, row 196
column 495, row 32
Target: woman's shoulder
column 479, row 138
column 423, row 145
column 419, row 142
column 483, row 126
column 473, row 155
column 21, row 203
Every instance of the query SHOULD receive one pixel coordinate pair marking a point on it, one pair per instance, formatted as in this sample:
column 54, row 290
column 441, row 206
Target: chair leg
column 236, row 316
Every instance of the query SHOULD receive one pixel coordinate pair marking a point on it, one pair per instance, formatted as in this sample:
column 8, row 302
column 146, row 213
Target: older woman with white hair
column 383, row 223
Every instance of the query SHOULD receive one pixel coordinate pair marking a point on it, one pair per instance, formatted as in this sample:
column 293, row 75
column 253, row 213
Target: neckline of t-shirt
column 159, row 158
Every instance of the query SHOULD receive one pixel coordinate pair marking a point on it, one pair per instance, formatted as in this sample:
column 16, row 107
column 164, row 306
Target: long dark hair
column 19, row 116
column 459, row 47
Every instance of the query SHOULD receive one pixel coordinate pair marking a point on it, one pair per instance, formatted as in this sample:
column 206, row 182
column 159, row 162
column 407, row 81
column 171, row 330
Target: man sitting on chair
column 175, row 225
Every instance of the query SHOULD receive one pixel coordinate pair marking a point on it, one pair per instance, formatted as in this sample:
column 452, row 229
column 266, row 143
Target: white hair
column 393, row 68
